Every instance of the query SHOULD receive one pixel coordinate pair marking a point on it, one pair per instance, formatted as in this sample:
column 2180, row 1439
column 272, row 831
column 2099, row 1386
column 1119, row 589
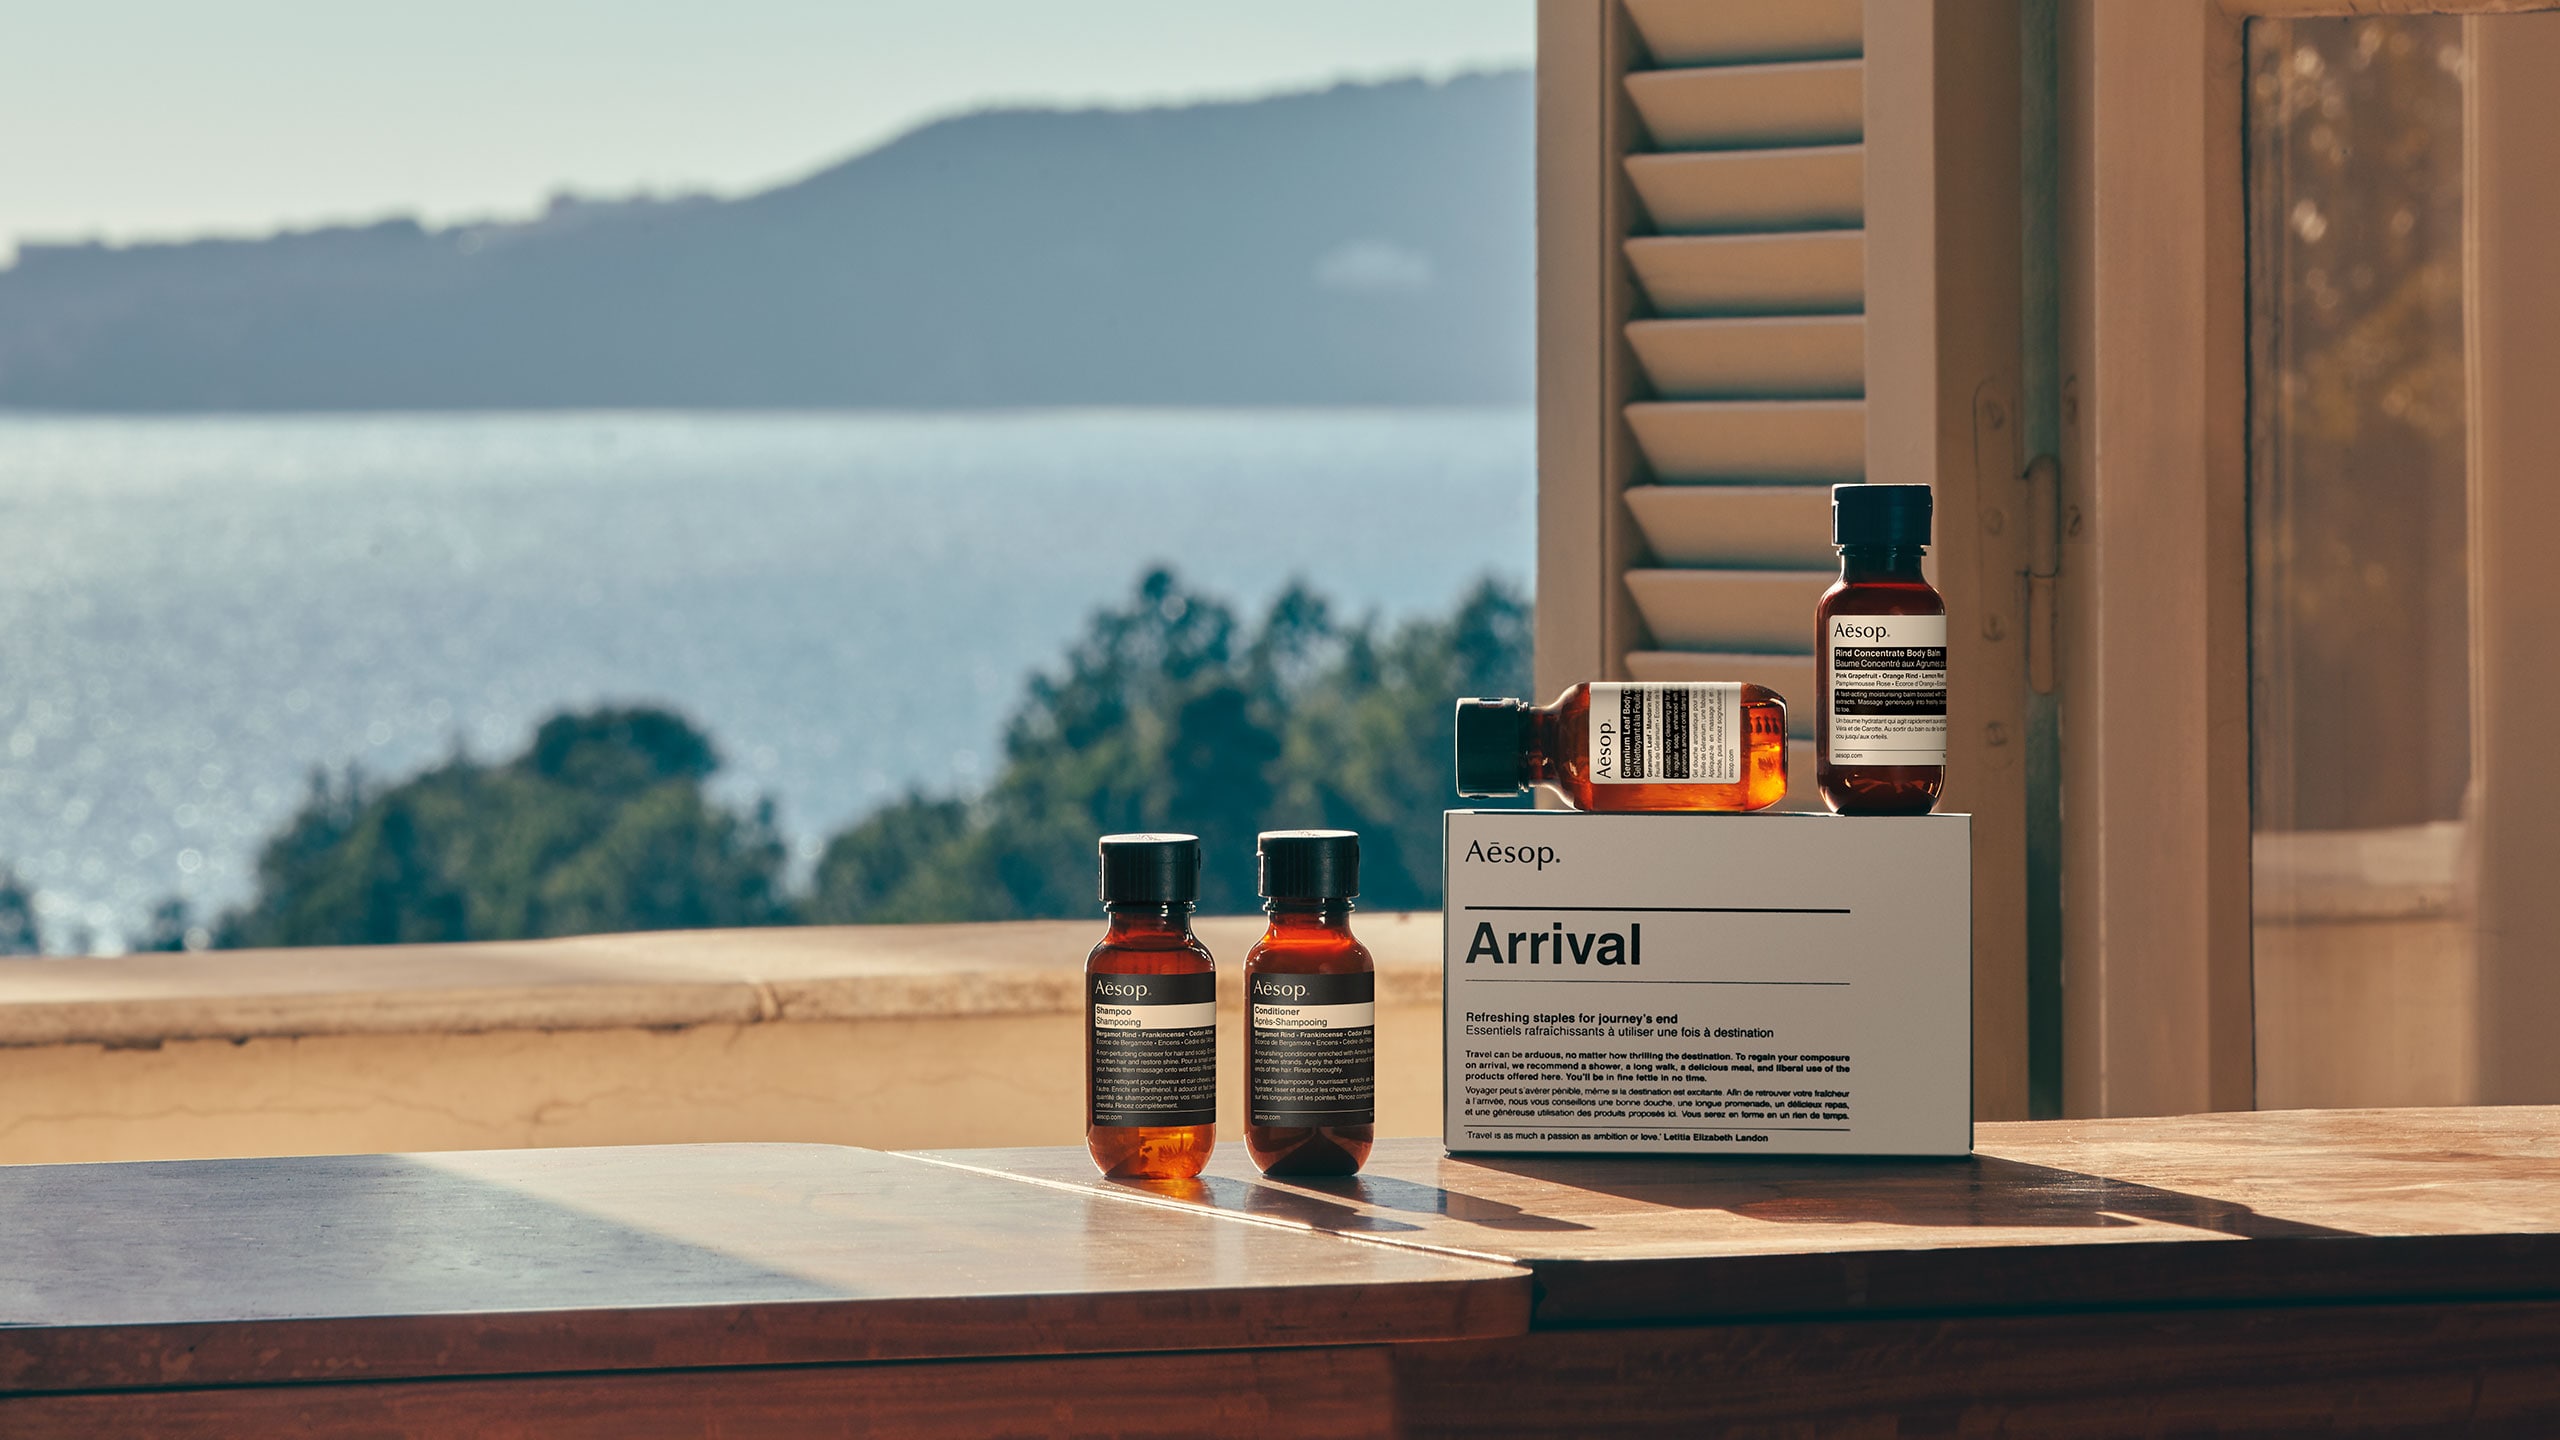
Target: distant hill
column 1363, row 244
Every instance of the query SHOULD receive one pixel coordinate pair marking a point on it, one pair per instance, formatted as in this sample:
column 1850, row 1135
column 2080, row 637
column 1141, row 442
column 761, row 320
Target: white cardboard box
column 1708, row 984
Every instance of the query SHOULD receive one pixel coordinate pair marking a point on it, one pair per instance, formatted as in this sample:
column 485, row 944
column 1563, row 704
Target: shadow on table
column 1543, row 1195
column 1349, row 1205
column 1979, row 1191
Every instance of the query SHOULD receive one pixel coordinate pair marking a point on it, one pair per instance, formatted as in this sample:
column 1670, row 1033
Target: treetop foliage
column 602, row 824
column 1171, row 714
column 1168, row 713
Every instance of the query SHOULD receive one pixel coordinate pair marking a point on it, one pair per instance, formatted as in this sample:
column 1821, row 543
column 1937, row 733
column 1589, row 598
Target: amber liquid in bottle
column 1874, row 580
column 1307, row 937
column 1504, row 747
column 1146, row 940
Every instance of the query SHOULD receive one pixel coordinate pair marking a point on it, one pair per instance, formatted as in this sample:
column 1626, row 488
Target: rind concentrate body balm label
column 1888, row 689
column 1155, row 1048
column 1772, row 984
column 1652, row 734
column 1314, row 1049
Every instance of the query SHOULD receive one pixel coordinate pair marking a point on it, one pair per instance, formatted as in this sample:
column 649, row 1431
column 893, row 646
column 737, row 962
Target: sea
column 197, row 614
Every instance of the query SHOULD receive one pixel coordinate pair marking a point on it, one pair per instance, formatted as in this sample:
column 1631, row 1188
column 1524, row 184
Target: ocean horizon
column 199, row 611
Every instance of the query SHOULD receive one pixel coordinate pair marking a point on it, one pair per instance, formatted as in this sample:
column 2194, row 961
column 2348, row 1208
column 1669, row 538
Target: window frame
column 2154, row 678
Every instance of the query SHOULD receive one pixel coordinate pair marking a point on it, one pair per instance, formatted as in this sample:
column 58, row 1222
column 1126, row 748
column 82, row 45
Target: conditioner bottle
column 1310, row 1038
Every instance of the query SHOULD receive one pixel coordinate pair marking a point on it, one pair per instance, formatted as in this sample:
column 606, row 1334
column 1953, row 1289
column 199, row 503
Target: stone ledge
column 658, row 980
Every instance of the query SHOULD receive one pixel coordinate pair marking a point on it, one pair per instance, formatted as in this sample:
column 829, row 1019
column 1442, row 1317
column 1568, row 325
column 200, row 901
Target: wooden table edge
column 1848, row 1284
column 1475, row 1299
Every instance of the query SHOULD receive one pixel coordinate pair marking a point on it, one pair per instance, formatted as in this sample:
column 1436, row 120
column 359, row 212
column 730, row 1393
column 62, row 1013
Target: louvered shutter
column 1739, row 363
column 1779, row 249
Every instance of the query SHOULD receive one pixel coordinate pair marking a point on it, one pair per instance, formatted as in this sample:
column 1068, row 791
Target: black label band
column 1195, row 989
column 1311, row 1043
column 1358, row 989
column 1155, row 1049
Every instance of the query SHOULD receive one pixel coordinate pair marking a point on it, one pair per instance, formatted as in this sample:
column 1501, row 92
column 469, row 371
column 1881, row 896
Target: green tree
column 171, row 927
column 882, row 855
column 19, row 933
column 1371, row 740
column 1169, row 715
column 601, row 824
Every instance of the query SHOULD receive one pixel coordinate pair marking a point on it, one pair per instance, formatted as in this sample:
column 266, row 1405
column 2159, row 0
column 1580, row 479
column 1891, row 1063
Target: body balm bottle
column 1608, row 746
column 1151, row 1016
column 1880, row 659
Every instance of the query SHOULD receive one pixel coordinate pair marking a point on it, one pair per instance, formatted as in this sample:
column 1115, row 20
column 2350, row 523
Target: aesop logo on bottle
column 1118, row 989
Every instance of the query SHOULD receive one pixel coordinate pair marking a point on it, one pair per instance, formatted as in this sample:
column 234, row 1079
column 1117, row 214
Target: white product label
column 1666, row 734
column 1363, row 1016
column 1155, row 1017
column 1311, row 1049
column 1888, row 689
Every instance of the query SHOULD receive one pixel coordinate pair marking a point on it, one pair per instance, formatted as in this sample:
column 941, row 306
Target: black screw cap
column 1309, row 864
column 1891, row 515
column 1150, row 869
column 1489, row 744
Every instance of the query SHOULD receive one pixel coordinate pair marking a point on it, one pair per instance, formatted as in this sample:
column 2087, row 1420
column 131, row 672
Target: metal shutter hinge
column 2044, row 565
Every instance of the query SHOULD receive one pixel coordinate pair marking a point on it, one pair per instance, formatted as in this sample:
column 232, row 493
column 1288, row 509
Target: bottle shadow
column 1356, row 1204
column 1977, row 1192
column 1974, row 1192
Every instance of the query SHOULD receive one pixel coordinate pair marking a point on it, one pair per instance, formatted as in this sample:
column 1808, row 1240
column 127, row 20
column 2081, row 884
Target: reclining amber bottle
column 1151, row 1016
column 1611, row 746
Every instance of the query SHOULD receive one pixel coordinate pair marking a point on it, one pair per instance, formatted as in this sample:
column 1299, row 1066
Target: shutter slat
column 1806, row 442
column 1685, row 32
column 1741, row 107
column 1738, row 527
column 1762, row 357
column 1761, row 612
column 1816, row 273
column 1701, row 192
column 1790, row 675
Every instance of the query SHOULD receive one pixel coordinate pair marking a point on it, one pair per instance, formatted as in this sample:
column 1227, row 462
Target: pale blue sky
column 150, row 118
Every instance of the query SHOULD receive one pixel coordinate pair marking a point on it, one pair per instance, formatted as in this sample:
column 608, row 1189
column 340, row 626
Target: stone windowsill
column 663, row 980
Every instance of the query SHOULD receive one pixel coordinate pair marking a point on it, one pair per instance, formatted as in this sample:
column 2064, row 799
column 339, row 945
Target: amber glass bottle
column 1310, row 1034
column 1151, row 1016
column 1631, row 747
column 1880, row 659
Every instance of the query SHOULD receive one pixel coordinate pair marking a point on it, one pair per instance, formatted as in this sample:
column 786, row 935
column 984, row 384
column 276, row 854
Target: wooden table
column 2324, row 1272
column 684, row 1290
column 2266, row 1273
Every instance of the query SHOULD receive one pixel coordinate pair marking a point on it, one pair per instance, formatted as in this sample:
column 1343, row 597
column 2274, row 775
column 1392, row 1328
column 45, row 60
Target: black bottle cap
column 1489, row 734
column 1309, row 864
column 1879, row 514
column 1150, row 869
